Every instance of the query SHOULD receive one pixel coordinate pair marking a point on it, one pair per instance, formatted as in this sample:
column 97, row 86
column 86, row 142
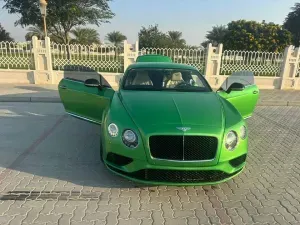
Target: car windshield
column 165, row 80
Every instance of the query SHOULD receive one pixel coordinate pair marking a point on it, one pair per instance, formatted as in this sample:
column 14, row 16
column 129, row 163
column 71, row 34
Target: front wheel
column 101, row 150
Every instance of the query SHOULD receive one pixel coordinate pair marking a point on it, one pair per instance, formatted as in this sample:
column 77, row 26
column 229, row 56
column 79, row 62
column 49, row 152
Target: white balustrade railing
column 193, row 57
column 86, row 58
column 16, row 55
column 261, row 63
column 108, row 58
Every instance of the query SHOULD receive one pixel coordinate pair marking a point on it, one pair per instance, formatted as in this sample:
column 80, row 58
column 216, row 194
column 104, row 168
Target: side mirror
column 92, row 83
column 235, row 87
column 219, row 90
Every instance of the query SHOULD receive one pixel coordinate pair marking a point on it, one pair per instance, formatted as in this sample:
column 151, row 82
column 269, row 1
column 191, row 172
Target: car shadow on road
column 56, row 146
column 24, row 93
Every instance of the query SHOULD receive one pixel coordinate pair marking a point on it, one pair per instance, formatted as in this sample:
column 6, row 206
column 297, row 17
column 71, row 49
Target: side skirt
column 83, row 118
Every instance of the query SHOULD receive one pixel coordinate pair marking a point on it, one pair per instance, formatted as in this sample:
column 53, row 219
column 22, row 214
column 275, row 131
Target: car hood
column 162, row 108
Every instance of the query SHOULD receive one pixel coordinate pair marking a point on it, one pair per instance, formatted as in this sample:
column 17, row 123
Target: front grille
column 183, row 148
column 238, row 161
column 178, row 176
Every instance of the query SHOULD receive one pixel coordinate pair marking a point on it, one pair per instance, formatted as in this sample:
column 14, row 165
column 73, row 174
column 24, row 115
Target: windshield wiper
column 182, row 90
column 189, row 90
column 141, row 89
column 165, row 89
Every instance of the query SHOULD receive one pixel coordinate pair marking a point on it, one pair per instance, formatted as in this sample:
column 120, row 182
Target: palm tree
column 176, row 39
column 38, row 31
column 85, row 36
column 116, row 38
column 216, row 35
column 193, row 47
column 35, row 31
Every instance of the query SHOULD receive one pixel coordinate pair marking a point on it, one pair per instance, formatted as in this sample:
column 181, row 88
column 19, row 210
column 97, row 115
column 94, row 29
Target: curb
column 278, row 103
column 46, row 99
column 31, row 99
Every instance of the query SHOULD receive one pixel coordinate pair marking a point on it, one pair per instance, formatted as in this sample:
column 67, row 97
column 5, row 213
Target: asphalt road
column 50, row 173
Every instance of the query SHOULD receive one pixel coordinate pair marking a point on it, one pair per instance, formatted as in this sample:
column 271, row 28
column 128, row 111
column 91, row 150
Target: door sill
column 83, row 118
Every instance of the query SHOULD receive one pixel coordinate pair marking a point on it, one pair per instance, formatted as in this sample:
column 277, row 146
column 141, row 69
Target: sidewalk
column 279, row 98
column 49, row 93
column 28, row 93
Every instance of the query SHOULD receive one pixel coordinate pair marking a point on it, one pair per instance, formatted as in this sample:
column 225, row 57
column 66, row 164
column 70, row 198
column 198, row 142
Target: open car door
column 240, row 90
column 85, row 100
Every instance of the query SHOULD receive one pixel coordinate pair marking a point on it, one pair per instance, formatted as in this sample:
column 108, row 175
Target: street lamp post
column 43, row 8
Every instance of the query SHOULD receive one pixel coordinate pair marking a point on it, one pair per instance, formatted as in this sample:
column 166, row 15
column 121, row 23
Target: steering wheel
column 183, row 84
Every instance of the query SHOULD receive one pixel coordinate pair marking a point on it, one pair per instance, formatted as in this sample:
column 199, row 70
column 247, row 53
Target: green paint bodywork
column 150, row 113
column 153, row 58
column 84, row 101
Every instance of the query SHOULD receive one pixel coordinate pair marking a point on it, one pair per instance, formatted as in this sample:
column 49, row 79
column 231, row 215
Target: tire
column 101, row 150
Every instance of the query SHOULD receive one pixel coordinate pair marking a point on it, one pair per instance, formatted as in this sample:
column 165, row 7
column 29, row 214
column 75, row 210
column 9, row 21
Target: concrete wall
column 262, row 82
column 16, row 76
column 53, row 77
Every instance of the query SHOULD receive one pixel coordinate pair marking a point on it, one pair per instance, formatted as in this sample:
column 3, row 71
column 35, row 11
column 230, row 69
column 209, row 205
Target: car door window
column 243, row 77
column 197, row 81
column 243, row 100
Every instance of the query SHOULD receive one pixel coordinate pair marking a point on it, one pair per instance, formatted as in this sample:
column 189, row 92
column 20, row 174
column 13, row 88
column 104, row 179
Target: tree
column 116, row 38
column 38, row 31
column 193, row 47
column 215, row 36
column 255, row 36
column 35, row 31
column 292, row 24
column 62, row 15
column 152, row 37
column 176, row 40
column 85, row 36
column 4, row 35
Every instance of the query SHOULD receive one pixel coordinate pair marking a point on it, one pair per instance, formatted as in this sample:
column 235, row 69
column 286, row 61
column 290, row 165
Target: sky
column 194, row 18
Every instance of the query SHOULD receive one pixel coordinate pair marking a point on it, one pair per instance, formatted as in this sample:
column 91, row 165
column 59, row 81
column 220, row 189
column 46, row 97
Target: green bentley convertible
column 165, row 124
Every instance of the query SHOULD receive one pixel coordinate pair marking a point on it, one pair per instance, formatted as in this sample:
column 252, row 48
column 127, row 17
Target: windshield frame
column 200, row 76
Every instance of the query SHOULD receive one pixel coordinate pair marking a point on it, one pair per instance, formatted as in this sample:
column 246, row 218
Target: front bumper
column 139, row 165
column 143, row 172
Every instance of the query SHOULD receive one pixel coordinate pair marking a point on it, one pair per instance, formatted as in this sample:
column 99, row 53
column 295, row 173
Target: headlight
column 231, row 140
column 243, row 132
column 113, row 130
column 130, row 138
